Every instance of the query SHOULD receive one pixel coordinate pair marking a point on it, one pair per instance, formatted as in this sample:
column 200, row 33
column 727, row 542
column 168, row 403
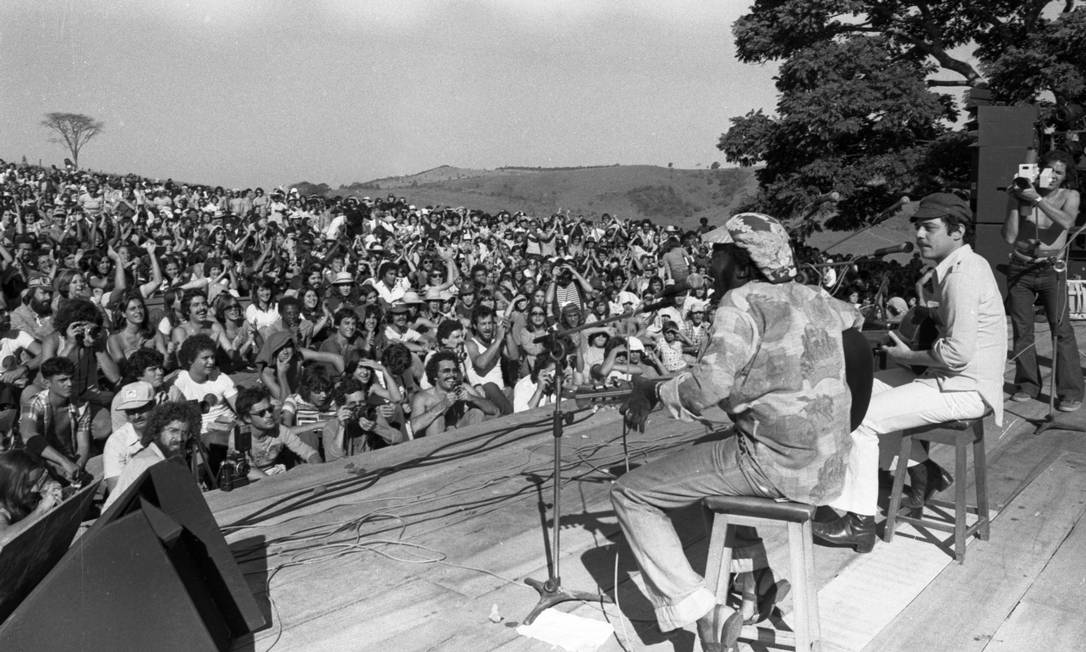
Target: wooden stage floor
column 416, row 547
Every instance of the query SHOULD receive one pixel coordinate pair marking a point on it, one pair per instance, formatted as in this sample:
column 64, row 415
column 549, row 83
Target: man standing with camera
column 1039, row 214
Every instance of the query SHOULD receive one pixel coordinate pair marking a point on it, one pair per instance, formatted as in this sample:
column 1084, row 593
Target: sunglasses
column 261, row 413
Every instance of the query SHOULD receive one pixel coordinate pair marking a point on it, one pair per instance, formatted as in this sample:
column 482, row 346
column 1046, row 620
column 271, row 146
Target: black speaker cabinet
column 29, row 557
column 153, row 573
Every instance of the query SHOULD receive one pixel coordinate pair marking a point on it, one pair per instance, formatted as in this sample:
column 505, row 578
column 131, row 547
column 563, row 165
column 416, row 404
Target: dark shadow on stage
column 635, row 607
column 251, row 555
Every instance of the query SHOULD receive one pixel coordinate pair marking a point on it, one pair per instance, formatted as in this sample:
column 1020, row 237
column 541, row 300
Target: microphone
column 891, row 209
column 903, row 248
column 818, row 202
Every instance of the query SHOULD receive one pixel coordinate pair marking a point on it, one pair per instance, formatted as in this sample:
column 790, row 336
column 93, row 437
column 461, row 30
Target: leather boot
column 849, row 530
column 925, row 480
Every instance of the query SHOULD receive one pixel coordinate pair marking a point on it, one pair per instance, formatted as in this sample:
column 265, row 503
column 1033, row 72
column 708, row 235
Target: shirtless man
column 449, row 403
column 194, row 307
column 1037, row 223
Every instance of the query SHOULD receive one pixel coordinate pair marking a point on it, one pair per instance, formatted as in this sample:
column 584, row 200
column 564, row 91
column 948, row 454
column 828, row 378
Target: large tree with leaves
column 858, row 109
column 73, row 130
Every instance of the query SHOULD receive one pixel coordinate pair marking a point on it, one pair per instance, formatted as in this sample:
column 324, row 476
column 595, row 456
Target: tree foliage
column 857, row 112
column 73, row 130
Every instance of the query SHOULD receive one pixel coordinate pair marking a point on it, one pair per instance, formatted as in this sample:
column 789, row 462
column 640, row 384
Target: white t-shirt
column 258, row 318
column 219, row 385
column 522, row 393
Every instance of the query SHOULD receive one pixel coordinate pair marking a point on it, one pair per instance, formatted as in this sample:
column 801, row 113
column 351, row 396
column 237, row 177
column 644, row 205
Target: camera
column 233, row 472
column 1030, row 173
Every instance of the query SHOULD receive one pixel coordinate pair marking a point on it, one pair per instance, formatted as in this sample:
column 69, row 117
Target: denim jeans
column 1025, row 283
column 720, row 468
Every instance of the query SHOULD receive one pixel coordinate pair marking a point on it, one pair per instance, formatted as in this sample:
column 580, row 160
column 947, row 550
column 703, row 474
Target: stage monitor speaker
column 996, row 167
column 1007, row 126
column 153, row 573
column 989, row 243
column 28, row 558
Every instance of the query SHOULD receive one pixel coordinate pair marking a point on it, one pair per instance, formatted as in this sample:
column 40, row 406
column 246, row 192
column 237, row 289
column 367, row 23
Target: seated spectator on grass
column 269, row 437
column 195, row 308
column 202, row 383
column 134, row 403
column 538, row 387
column 80, row 338
column 450, row 403
column 280, row 362
column 26, row 492
column 166, row 436
column 56, row 425
column 358, row 427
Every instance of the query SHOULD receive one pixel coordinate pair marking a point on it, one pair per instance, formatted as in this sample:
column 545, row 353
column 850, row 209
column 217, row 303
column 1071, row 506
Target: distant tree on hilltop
column 74, row 130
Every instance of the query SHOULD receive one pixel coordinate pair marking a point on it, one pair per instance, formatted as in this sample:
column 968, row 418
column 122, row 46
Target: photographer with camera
column 80, row 337
column 537, row 388
column 1041, row 208
column 358, row 426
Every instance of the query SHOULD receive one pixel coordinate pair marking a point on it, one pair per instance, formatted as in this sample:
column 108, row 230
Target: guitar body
column 918, row 329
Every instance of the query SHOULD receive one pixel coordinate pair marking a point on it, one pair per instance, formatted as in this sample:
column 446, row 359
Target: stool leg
column 980, row 480
column 898, row 488
column 961, row 509
column 815, row 631
column 718, row 560
column 798, row 557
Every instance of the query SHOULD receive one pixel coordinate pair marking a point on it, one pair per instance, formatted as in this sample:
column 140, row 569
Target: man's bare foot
column 719, row 629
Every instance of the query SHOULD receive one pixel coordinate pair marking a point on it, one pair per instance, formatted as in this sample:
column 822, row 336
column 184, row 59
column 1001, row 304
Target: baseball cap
column 134, row 396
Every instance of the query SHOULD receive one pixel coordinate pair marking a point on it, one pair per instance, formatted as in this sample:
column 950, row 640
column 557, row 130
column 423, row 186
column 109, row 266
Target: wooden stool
column 958, row 434
column 729, row 511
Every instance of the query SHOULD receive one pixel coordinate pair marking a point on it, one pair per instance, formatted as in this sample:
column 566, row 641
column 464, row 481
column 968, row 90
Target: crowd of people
column 283, row 329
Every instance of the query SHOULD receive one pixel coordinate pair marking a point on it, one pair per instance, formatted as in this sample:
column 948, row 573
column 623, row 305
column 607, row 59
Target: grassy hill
column 668, row 196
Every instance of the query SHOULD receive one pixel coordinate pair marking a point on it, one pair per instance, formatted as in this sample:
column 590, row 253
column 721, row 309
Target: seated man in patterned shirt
column 775, row 365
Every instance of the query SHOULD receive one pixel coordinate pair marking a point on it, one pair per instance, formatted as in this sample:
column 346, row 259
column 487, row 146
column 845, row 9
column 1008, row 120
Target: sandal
column 728, row 632
column 760, row 594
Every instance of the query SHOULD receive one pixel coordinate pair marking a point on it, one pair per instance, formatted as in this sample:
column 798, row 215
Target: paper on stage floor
column 570, row 632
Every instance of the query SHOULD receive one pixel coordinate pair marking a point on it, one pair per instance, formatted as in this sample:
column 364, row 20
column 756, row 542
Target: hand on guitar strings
column 896, row 348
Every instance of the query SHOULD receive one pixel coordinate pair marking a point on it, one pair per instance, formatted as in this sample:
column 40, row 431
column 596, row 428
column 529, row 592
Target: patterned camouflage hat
column 764, row 238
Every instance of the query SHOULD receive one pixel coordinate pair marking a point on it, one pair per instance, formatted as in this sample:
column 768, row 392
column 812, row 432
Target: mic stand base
column 552, row 593
column 1049, row 422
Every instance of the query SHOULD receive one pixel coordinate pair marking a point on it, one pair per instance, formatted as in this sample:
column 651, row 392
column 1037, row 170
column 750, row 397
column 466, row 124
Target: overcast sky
column 241, row 93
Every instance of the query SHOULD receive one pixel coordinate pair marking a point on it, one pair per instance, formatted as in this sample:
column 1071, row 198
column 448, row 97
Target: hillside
column 665, row 195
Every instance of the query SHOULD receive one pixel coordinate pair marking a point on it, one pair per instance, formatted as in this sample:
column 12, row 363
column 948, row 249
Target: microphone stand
column 551, row 591
column 1049, row 422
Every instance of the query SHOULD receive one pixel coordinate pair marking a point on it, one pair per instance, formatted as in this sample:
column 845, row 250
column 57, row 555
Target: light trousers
column 899, row 401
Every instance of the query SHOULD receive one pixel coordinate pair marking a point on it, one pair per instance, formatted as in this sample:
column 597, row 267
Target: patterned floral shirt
column 775, row 364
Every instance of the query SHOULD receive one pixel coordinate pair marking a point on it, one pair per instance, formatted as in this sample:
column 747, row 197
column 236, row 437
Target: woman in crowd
column 263, row 312
column 26, row 492
column 135, row 331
